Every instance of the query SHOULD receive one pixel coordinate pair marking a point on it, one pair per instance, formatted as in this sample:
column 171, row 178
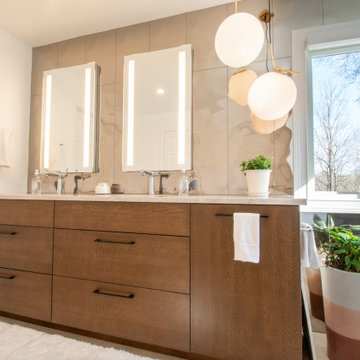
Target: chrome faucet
column 76, row 179
column 59, row 182
column 151, row 180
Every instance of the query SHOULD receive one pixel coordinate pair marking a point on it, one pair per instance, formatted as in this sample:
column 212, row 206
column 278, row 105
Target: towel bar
column 219, row 214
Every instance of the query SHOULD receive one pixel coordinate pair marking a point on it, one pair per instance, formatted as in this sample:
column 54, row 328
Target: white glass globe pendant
column 239, row 85
column 272, row 96
column 239, row 40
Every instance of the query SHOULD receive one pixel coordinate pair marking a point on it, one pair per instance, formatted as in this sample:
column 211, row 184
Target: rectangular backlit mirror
column 69, row 125
column 157, row 124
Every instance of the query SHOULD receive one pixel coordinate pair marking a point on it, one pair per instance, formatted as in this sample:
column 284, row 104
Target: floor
column 318, row 335
column 129, row 349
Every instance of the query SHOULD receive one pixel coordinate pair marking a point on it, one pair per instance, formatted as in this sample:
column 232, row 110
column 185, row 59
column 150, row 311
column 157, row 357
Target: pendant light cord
column 236, row 8
column 269, row 41
column 269, row 22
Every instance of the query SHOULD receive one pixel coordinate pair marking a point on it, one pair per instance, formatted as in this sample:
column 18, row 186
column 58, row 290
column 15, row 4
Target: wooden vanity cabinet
column 242, row 310
column 161, row 274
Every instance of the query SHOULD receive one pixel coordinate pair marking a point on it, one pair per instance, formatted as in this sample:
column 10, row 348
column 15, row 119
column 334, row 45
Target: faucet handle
column 148, row 172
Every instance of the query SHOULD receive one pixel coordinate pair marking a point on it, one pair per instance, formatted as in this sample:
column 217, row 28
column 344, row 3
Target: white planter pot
column 341, row 293
column 258, row 182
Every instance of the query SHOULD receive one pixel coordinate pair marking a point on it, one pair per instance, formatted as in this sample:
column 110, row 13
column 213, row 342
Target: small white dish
column 102, row 189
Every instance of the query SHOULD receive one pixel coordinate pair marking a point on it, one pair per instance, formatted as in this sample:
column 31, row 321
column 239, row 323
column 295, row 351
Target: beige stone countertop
column 276, row 199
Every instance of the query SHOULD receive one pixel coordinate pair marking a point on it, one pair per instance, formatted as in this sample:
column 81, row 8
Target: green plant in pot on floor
column 257, row 171
column 341, row 292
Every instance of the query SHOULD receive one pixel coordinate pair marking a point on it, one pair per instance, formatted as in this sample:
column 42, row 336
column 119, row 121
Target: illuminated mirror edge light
column 87, row 104
column 47, row 121
column 181, row 108
column 130, row 113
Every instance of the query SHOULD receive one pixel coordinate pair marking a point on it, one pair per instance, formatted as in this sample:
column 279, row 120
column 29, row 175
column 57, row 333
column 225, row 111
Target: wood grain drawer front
column 148, row 218
column 27, row 212
column 26, row 248
column 142, row 315
column 24, row 293
column 151, row 261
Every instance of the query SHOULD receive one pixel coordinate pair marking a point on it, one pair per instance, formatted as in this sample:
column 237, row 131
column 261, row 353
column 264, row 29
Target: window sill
column 332, row 206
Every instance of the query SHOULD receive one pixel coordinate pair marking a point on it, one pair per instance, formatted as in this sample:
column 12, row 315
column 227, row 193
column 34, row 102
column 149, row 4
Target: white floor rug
column 21, row 343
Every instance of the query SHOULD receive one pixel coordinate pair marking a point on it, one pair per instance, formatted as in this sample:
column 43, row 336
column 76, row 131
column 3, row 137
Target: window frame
column 331, row 38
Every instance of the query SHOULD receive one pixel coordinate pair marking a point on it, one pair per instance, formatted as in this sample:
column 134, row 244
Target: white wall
column 15, row 92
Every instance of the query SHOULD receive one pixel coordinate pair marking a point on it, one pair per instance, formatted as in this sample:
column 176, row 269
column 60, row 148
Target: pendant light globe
column 272, row 96
column 239, row 40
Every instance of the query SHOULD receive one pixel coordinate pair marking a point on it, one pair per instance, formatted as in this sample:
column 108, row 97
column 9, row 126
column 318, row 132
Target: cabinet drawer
column 152, row 261
column 26, row 248
column 25, row 294
column 142, row 315
column 27, row 212
column 149, row 218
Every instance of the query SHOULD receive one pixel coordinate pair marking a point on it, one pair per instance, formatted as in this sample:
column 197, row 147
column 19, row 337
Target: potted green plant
column 257, row 171
column 341, row 292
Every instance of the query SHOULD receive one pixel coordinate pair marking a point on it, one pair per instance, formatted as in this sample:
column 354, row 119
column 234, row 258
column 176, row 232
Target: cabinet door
column 242, row 310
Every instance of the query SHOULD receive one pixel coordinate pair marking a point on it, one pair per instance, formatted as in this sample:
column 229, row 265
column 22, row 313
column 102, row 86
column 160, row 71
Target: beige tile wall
column 222, row 131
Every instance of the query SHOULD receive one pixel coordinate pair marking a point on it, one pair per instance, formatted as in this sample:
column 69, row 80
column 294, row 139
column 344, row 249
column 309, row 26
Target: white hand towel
column 247, row 237
column 5, row 142
column 308, row 252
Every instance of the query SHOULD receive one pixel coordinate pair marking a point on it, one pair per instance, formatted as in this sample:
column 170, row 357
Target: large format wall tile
column 130, row 40
column 210, row 129
column 168, row 32
column 106, row 139
column 101, row 49
column 201, row 29
column 71, row 52
column 340, row 11
column 44, row 58
column 284, row 179
column 291, row 15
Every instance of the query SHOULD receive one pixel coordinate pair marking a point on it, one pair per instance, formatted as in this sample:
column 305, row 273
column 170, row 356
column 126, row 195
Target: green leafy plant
column 258, row 163
column 341, row 247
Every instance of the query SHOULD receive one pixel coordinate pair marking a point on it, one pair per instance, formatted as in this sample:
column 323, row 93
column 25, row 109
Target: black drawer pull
column 115, row 242
column 126, row 296
column 7, row 277
column 7, row 233
column 218, row 214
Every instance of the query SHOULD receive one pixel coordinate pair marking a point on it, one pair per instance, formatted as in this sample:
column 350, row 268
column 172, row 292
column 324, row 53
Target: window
column 333, row 94
column 326, row 118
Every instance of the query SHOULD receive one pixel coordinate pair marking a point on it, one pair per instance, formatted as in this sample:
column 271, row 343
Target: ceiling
column 40, row 22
